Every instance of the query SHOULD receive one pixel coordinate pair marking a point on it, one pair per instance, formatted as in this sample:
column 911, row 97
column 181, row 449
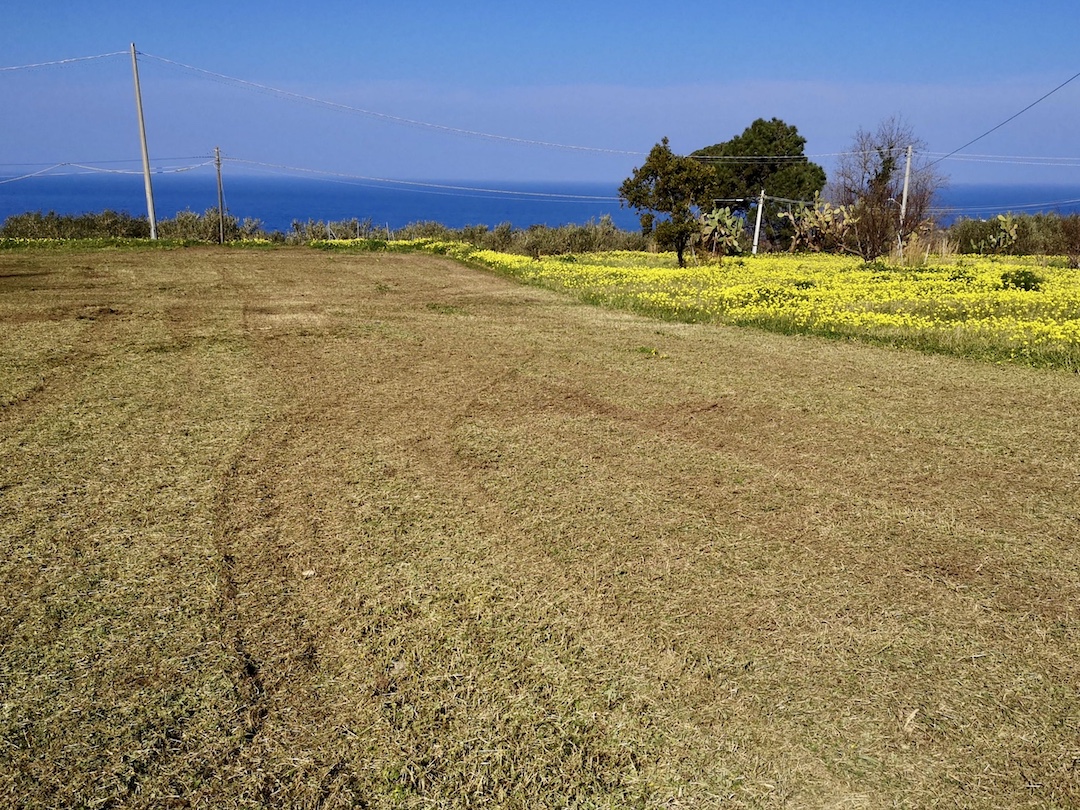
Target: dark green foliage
column 722, row 232
column 1070, row 239
column 962, row 274
column 970, row 234
column 1038, row 234
column 199, row 228
column 426, row 230
column 188, row 226
column 1042, row 234
column 819, row 227
column 543, row 240
column 1021, row 279
column 995, row 236
column 535, row 241
column 36, row 225
column 789, row 175
column 304, row 232
column 671, row 185
column 185, row 226
column 647, row 220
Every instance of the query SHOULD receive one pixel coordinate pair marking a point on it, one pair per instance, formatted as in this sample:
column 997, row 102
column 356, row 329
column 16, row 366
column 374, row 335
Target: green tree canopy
column 767, row 156
column 674, row 186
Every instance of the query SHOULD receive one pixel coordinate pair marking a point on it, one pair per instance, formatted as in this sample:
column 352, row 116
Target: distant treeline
column 1020, row 235
column 1047, row 234
column 207, row 227
column 186, row 225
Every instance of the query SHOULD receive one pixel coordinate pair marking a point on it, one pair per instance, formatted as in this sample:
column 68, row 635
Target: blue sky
column 611, row 76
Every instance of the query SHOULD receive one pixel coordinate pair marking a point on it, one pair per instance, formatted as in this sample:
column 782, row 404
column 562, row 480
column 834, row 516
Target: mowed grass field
column 293, row 528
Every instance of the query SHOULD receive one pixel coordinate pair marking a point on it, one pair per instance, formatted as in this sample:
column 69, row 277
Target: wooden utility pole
column 145, row 152
column 220, row 197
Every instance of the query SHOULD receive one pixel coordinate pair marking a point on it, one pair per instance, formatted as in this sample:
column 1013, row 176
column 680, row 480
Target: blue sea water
column 279, row 200
column 975, row 201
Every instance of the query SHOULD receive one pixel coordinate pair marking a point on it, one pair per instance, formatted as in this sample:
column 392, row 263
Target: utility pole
column 145, row 152
column 903, row 201
column 220, row 197
column 757, row 228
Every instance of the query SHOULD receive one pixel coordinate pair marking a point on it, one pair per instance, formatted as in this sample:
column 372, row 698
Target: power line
column 159, row 170
column 1042, row 206
column 747, row 159
column 63, row 61
column 1073, row 162
column 417, row 185
column 288, row 94
column 342, row 177
column 28, row 176
column 387, row 117
column 534, row 142
column 89, row 169
column 1007, row 120
column 789, row 202
column 101, row 162
column 470, row 191
column 752, row 158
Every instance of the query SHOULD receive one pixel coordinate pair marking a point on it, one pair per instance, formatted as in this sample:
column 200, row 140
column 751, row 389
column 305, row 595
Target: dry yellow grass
column 288, row 528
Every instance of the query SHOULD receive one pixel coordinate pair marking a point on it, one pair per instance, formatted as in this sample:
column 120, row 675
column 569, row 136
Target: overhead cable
column 89, row 169
column 28, row 176
column 751, row 158
column 1041, row 206
column 63, row 61
column 102, row 162
column 419, row 185
column 395, row 119
column 1017, row 161
column 1007, row 120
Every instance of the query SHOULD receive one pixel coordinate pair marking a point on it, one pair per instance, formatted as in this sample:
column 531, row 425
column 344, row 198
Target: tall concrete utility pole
column 220, row 197
column 903, row 199
column 145, row 152
column 757, row 227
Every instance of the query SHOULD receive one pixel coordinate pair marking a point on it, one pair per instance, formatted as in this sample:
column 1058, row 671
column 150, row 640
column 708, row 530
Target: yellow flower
column 956, row 306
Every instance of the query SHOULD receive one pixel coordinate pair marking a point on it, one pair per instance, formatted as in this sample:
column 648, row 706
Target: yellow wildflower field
column 959, row 305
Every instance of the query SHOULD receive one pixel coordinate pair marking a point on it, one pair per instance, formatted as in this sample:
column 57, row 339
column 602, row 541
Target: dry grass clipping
column 283, row 528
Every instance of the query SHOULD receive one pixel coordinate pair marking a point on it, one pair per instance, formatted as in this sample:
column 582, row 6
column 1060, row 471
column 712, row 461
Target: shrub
column 36, row 225
column 206, row 227
column 1044, row 234
column 1021, row 279
column 188, row 226
column 1070, row 238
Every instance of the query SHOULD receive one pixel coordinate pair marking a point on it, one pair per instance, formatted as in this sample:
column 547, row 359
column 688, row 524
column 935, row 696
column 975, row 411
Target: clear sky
column 611, row 75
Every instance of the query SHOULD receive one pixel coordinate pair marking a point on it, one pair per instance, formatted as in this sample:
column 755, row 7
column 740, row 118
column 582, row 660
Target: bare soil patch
column 376, row 530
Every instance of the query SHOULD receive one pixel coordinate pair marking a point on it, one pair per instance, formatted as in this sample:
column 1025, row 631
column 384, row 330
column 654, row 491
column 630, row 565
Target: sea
column 278, row 201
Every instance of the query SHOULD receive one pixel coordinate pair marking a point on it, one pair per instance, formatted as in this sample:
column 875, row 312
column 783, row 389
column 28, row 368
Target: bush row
column 186, row 225
column 1020, row 235
column 1026, row 235
column 536, row 240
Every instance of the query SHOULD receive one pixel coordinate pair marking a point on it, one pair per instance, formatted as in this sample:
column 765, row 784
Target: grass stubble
column 378, row 530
